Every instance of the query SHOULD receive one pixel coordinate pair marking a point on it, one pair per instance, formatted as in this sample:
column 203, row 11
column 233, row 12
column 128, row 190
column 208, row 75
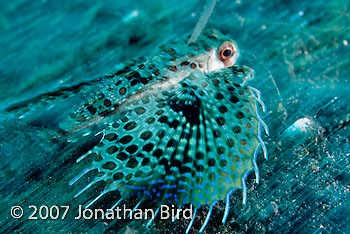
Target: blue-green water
column 300, row 53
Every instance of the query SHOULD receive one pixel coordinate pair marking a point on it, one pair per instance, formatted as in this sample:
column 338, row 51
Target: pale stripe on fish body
column 180, row 128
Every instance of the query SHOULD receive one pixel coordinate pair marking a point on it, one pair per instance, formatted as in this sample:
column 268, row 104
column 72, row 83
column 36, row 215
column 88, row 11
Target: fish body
column 178, row 128
column 183, row 128
column 143, row 77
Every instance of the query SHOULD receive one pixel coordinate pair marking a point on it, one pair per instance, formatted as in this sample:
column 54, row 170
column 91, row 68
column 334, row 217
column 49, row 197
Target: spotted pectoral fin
column 231, row 128
column 137, row 150
column 175, row 147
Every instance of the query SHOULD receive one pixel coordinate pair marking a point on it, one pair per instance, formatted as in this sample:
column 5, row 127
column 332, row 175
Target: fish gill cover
column 179, row 125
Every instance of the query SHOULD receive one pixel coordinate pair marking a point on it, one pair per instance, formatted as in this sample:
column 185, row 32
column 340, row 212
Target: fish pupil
column 227, row 52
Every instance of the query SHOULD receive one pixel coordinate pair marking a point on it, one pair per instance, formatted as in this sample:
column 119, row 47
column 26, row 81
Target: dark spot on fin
column 190, row 110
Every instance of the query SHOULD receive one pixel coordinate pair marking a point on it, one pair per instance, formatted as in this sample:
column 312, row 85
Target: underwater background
column 299, row 51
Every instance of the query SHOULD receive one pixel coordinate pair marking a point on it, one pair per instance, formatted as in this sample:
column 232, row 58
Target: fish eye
column 226, row 51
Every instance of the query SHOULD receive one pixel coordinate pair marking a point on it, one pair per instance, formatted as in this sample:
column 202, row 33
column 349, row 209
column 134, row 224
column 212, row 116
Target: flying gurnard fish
column 179, row 128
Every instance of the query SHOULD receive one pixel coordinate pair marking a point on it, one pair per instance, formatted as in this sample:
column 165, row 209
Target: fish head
column 221, row 51
column 211, row 52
